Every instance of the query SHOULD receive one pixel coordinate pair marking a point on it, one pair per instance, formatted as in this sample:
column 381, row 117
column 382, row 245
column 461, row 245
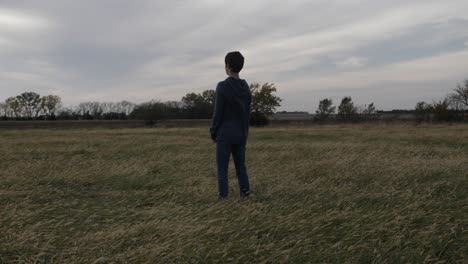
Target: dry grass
column 334, row 194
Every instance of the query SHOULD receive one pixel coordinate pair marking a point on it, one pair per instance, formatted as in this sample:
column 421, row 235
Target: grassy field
column 332, row 194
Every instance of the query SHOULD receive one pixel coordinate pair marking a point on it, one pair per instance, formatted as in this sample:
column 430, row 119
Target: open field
column 332, row 194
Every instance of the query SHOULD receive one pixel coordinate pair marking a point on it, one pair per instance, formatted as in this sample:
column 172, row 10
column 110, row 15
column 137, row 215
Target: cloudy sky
column 393, row 53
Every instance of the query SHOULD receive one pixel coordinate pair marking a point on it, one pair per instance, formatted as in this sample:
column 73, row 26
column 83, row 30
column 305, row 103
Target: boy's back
column 231, row 117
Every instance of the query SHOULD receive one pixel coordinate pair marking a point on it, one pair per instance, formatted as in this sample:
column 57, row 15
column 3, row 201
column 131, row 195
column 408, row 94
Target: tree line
column 201, row 105
column 30, row 106
column 452, row 107
column 347, row 111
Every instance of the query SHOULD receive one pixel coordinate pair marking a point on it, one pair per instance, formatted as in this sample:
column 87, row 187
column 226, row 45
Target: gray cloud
column 142, row 50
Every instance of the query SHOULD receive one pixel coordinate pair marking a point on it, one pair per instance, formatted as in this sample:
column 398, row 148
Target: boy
column 230, row 125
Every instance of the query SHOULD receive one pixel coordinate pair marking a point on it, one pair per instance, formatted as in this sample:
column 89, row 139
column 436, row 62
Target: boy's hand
column 213, row 137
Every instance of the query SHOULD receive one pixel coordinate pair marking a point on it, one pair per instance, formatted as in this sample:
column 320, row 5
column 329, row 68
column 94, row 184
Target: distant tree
column 456, row 107
column 15, row 106
column 126, row 107
column 114, row 116
column 108, row 107
column 105, row 110
column 423, row 111
column 461, row 94
column 191, row 100
column 346, row 110
column 67, row 113
column 369, row 109
column 325, row 109
column 292, row 112
column 367, row 112
column 441, row 110
column 31, row 103
column 156, row 110
column 50, row 104
column 83, row 110
column 209, row 97
column 90, row 110
column 4, row 109
column 96, row 109
column 264, row 102
column 199, row 105
column 143, row 111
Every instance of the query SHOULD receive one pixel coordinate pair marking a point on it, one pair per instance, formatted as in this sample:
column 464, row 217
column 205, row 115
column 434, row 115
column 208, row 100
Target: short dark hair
column 235, row 61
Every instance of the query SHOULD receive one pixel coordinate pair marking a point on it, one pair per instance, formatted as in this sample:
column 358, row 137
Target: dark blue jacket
column 231, row 114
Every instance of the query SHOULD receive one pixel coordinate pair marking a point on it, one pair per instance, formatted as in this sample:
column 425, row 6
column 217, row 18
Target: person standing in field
column 230, row 125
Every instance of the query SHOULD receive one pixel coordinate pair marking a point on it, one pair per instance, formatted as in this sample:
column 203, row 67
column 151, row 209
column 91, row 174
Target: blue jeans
column 223, row 153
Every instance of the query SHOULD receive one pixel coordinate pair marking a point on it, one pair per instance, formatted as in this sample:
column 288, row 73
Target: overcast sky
column 393, row 53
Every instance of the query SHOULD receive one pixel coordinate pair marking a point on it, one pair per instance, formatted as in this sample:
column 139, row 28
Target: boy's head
column 234, row 62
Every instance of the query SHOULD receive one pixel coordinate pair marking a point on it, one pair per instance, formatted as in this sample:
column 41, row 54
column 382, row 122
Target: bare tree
column 127, row 107
column 50, row 104
column 90, row 109
column 31, row 103
column 107, row 107
column 96, row 109
column 4, row 110
column 15, row 106
column 461, row 94
column 118, row 107
column 83, row 109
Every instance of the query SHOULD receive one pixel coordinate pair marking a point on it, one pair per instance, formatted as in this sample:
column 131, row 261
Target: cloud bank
column 393, row 54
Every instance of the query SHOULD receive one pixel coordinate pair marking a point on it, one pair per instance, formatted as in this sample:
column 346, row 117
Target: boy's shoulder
column 225, row 82
column 222, row 84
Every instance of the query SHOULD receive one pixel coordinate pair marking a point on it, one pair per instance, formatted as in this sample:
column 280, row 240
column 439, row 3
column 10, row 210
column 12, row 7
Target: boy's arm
column 217, row 113
column 249, row 102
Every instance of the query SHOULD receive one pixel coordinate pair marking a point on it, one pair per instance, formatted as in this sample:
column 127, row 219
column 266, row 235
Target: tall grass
column 334, row 194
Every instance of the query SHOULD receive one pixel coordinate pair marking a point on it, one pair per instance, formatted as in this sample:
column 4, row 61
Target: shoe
column 244, row 194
